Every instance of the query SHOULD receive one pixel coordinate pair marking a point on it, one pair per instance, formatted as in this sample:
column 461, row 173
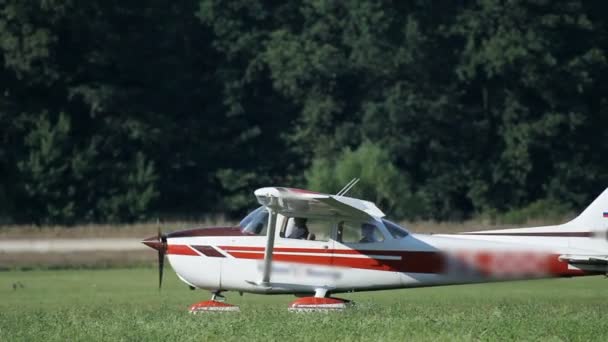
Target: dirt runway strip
column 74, row 253
column 69, row 245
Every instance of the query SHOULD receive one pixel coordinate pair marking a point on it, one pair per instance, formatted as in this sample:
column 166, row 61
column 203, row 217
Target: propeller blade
column 161, row 266
column 161, row 257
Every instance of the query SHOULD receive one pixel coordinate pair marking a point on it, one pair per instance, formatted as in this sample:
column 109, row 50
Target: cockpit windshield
column 396, row 230
column 255, row 222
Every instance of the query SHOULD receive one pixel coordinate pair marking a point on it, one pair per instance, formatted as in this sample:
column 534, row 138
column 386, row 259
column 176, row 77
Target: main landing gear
column 319, row 303
column 216, row 304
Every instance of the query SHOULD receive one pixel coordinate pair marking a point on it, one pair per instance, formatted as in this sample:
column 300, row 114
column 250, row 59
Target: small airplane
column 316, row 245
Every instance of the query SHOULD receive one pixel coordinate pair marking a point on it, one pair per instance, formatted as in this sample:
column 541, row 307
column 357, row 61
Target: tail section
column 594, row 217
column 592, row 222
column 582, row 242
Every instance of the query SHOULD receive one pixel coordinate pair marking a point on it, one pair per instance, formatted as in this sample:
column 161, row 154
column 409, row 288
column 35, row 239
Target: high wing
column 297, row 202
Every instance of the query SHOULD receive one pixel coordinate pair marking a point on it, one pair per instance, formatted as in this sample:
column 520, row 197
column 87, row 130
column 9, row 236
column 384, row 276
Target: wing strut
column 269, row 243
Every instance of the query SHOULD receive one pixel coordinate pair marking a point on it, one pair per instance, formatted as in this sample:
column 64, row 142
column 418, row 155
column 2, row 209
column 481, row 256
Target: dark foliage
column 127, row 110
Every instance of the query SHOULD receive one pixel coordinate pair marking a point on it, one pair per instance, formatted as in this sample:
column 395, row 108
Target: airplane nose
column 158, row 242
column 153, row 242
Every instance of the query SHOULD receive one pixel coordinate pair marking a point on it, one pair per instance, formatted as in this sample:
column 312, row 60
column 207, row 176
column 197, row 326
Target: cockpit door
column 304, row 259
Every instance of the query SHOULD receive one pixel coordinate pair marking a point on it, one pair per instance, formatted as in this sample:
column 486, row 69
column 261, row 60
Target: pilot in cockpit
column 300, row 230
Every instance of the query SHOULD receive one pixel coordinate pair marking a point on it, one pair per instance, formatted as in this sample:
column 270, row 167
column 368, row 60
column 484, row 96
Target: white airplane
column 317, row 245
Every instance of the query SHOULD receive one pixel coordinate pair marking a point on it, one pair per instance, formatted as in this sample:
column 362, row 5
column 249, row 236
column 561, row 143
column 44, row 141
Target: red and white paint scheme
column 349, row 246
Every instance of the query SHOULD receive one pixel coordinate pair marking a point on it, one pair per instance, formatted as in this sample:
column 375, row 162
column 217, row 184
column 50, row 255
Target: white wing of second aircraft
column 298, row 202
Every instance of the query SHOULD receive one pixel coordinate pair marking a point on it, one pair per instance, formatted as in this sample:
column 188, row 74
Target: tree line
column 116, row 111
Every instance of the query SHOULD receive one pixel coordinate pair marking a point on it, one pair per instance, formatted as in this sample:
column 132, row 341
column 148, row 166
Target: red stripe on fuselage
column 411, row 262
column 181, row 250
column 316, row 250
column 506, row 264
column 209, row 251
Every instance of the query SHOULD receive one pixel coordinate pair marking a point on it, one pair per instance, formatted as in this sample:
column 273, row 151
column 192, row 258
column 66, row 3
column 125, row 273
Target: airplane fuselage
column 231, row 259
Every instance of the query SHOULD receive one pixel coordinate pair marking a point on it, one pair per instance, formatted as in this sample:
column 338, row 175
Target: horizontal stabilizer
column 599, row 260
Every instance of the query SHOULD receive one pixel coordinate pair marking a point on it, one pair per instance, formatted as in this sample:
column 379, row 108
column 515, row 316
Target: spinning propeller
column 161, row 257
column 159, row 242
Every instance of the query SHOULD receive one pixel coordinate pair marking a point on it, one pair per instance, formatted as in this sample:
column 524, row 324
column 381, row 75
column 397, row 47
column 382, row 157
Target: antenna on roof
column 348, row 186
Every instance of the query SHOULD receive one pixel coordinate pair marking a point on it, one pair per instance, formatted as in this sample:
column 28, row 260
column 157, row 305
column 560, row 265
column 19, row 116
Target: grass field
column 124, row 304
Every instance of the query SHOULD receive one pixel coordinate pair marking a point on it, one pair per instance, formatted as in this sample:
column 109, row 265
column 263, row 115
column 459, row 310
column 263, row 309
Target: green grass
column 124, row 304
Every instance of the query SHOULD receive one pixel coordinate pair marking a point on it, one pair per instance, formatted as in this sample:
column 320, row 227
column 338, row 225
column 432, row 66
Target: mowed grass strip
column 125, row 304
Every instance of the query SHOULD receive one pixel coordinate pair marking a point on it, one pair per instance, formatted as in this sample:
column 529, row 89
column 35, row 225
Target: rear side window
column 396, row 231
column 306, row 229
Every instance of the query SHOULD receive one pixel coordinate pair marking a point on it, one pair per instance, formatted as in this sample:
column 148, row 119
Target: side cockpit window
column 395, row 230
column 256, row 222
column 302, row 228
column 358, row 232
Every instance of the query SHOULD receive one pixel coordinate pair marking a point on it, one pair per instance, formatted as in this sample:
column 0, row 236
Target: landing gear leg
column 217, row 296
column 216, row 304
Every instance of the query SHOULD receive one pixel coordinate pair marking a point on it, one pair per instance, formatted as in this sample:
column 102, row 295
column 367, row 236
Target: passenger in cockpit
column 367, row 233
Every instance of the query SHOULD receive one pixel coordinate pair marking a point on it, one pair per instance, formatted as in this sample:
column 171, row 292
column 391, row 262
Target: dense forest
column 116, row 111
